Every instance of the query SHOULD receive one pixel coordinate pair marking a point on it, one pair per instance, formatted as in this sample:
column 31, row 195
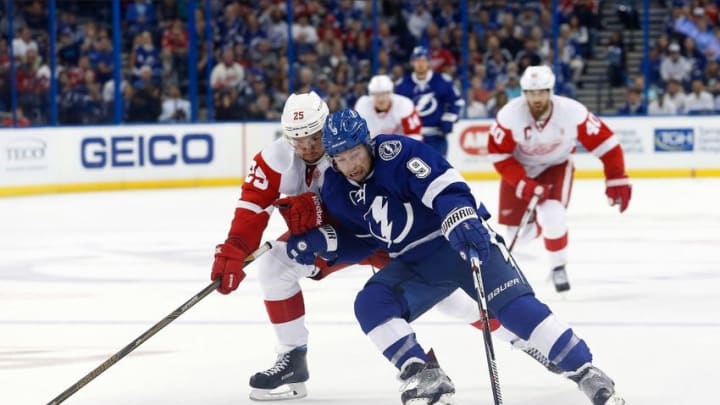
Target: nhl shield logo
column 389, row 149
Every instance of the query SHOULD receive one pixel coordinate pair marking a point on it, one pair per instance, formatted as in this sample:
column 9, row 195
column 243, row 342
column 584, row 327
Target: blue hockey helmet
column 420, row 52
column 343, row 131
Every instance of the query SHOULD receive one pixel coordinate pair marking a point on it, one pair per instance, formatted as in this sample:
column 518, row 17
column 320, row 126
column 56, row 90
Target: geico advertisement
column 158, row 152
column 69, row 155
column 99, row 152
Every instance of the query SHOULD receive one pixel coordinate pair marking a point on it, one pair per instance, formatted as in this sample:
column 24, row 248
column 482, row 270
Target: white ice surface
column 83, row 275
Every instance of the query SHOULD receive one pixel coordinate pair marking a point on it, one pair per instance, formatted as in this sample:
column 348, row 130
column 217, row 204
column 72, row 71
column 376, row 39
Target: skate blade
column 562, row 287
column 615, row 400
column 445, row 399
column 560, row 280
column 281, row 393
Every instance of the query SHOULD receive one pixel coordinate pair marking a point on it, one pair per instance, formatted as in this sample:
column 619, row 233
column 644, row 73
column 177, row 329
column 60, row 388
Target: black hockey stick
column 150, row 332
column 525, row 219
column 475, row 263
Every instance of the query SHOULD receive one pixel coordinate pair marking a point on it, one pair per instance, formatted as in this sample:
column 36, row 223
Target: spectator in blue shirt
column 140, row 16
column 633, row 103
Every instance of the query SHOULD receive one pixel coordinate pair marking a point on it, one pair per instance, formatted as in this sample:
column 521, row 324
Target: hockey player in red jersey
column 293, row 165
column 387, row 112
column 531, row 145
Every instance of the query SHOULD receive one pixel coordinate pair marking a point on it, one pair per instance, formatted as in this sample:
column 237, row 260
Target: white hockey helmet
column 303, row 115
column 380, row 84
column 537, row 78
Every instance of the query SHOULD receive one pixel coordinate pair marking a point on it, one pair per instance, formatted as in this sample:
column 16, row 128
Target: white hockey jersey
column 277, row 170
column 519, row 145
column 400, row 119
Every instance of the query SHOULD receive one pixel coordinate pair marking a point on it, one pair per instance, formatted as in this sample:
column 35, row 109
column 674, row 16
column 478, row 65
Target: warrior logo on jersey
column 389, row 149
column 426, row 104
column 381, row 227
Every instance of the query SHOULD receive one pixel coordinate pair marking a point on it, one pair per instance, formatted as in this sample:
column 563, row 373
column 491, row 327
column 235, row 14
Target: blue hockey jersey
column 437, row 101
column 399, row 207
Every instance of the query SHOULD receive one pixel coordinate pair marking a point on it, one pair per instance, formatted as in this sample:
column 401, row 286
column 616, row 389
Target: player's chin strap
column 153, row 330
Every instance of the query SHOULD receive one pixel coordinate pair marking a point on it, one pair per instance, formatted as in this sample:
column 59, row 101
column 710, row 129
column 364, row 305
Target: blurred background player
column 425, row 216
column 436, row 99
column 387, row 112
column 531, row 145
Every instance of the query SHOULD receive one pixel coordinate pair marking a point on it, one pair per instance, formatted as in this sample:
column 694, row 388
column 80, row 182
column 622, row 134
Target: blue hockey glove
column 321, row 241
column 446, row 127
column 483, row 212
column 464, row 231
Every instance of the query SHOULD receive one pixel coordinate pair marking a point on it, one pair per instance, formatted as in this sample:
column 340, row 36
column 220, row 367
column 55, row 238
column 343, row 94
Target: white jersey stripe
column 567, row 182
column 604, row 147
column 386, row 334
column 439, row 184
column 449, row 117
column 249, row 206
column 544, row 336
column 416, row 243
column 498, row 157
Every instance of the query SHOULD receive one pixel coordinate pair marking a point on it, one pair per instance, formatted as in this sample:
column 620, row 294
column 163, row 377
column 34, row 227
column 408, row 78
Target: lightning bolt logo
column 379, row 213
column 426, row 104
column 378, row 219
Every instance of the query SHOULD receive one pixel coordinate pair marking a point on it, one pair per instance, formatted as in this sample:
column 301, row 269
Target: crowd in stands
column 333, row 46
column 682, row 65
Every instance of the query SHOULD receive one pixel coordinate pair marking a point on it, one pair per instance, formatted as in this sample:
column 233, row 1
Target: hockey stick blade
column 150, row 332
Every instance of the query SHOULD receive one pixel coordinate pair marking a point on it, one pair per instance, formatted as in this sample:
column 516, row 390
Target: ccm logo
column 140, row 150
column 474, row 139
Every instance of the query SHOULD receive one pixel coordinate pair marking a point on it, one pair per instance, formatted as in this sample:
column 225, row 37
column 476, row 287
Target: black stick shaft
column 525, row 219
column 150, row 332
column 487, row 338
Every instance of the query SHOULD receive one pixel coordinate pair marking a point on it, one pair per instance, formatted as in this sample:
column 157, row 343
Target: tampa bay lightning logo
column 426, row 104
column 389, row 224
column 389, row 149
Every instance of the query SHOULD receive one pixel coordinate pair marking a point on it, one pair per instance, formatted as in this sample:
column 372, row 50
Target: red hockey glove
column 528, row 187
column 228, row 265
column 302, row 212
column 618, row 192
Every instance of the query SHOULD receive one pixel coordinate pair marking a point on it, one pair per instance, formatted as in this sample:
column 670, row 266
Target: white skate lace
column 280, row 364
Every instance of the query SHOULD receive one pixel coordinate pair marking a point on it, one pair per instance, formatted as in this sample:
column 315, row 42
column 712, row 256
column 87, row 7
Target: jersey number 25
column 257, row 177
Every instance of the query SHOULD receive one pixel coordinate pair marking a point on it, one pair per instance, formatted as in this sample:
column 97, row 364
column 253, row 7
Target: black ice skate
column 596, row 385
column 285, row 380
column 560, row 279
column 425, row 384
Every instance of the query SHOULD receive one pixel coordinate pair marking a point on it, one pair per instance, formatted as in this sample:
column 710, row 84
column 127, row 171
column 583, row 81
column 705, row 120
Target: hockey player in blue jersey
column 436, row 99
column 398, row 194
